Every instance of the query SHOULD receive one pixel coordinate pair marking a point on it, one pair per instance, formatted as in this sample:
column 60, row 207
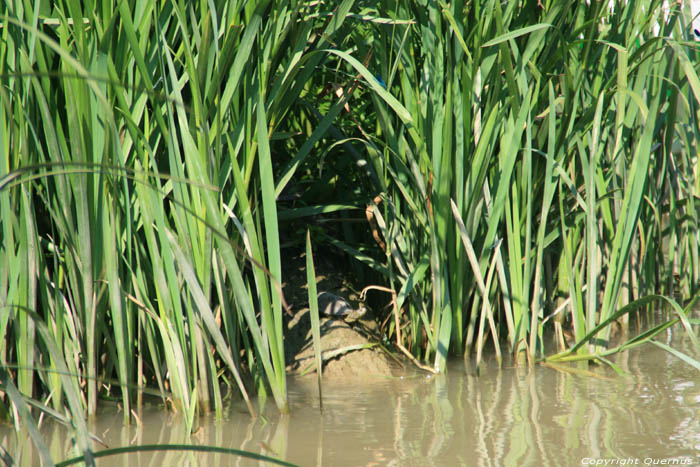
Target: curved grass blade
column 636, row 341
column 25, row 416
column 176, row 447
column 76, row 408
column 643, row 337
column 517, row 33
column 686, row 358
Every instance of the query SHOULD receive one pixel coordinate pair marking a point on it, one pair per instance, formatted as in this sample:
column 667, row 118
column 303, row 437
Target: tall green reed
column 545, row 127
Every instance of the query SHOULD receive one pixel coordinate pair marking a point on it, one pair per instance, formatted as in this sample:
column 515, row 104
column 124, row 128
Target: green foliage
column 138, row 194
column 567, row 131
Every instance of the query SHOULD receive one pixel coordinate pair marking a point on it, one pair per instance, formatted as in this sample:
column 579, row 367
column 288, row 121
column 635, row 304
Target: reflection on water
column 510, row 417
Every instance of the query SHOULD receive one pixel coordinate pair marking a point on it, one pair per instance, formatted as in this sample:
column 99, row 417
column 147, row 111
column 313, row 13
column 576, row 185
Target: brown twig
column 400, row 346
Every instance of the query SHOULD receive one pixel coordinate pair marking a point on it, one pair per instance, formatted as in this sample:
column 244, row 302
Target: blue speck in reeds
column 380, row 80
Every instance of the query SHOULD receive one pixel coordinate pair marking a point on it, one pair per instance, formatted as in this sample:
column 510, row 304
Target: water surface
column 515, row 416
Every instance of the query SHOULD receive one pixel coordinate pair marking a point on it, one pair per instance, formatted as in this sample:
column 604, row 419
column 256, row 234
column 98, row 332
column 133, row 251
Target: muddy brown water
column 512, row 416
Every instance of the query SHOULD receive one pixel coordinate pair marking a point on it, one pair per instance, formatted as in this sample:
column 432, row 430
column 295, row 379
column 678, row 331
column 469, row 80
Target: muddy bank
column 351, row 350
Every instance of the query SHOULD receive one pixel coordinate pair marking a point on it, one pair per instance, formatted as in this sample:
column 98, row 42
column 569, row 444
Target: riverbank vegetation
column 503, row 169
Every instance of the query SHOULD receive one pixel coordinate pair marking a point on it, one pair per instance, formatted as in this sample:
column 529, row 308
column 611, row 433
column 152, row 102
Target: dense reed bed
column 526, row 166
column 539, row 165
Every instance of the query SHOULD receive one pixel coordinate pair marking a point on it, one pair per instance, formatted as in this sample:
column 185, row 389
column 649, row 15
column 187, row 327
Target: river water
column 573, row 415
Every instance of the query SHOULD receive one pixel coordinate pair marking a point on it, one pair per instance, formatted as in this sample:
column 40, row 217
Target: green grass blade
column 313, row 315
column 26, row 418
column 176, row 447
column 515, row 34
column 271, row 318
column 685, row 357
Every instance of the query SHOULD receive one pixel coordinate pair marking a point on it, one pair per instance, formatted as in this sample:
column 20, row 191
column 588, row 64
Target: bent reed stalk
column 516, row 159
